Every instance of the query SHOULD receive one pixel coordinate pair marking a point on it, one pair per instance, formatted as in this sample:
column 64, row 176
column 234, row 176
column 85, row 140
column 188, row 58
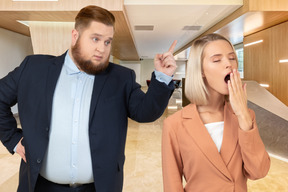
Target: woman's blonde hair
column 195, row 88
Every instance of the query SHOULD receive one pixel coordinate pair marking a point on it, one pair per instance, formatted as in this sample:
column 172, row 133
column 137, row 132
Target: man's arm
column 153, row 103
column 10, row 135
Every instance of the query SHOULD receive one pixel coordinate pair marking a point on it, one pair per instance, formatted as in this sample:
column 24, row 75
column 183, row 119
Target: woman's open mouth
column 227, row 78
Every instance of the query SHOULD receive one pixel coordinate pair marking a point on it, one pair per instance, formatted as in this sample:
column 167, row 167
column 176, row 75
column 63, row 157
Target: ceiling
column 167, row 17
column 181, row 20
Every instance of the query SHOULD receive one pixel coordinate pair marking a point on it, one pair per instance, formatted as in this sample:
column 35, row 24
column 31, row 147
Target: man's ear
column 75, row 36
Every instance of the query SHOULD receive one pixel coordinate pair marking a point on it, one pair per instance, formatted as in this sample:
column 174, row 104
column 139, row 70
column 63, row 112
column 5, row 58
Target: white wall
column 180, row 71
column 134, row 65
column 147, row 67
column 143, row 69
column 13, row 49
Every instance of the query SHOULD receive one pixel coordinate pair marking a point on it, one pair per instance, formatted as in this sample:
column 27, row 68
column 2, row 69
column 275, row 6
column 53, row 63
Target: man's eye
column 95, row 39
column 107, row 42
column 233, row 58
column 215, row 61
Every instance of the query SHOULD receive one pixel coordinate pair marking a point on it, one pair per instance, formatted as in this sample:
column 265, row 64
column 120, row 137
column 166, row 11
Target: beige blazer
column 188, row 151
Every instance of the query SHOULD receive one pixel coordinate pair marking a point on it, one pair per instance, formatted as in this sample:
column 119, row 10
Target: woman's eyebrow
column 216, row 55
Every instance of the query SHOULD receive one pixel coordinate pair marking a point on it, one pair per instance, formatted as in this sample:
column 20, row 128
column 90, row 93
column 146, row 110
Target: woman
column 213, row 143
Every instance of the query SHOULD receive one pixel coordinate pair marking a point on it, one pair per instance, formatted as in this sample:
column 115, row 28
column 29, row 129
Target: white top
column 216, row 132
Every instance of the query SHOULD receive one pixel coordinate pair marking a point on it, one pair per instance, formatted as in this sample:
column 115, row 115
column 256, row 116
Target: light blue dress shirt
column 163, row 77
column 68, row 157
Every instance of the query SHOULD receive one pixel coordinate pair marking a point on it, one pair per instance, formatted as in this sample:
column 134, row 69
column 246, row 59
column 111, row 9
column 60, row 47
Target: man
column 73, row 110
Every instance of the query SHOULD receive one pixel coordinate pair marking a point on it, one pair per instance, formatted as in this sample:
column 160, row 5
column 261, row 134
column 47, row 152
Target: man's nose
column 100, row 47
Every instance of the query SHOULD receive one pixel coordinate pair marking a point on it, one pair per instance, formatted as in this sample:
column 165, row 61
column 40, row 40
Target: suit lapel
column 197, row 130
column 99, row 82
column 53, row 74
column 230, row 137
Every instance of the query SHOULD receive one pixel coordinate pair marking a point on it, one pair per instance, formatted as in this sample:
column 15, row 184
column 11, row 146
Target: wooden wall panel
column 268, row 5
column 261, row 61
column 279, row 42
column 52, row 38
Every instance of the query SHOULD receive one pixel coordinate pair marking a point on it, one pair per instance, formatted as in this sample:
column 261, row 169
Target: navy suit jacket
column 116, row 96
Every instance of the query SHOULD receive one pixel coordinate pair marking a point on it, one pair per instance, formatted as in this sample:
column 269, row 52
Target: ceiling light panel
column 283, row 61
column 144, row 27
column 253, row 43
column 192, row 27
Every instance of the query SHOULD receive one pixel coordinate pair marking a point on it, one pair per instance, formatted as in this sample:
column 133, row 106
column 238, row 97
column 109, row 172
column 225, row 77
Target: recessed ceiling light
column 283, row 61
column 255, row 42
column 144, row 27
column 192, row 27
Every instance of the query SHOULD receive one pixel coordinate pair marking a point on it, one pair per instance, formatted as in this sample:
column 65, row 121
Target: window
column 240, row 53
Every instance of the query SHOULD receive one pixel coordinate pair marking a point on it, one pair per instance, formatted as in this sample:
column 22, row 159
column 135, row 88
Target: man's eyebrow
column 99, row 35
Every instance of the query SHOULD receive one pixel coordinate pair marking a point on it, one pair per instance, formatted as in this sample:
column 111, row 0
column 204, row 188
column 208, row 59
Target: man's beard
column 87, row 65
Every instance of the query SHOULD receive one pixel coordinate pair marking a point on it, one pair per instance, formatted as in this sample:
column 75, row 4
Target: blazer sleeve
column 256, row 159
column 172, row 167
column 149, row 106
column 10, row 135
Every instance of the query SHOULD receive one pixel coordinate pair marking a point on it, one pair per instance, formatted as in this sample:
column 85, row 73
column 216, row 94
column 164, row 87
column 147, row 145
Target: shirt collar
column 71, row 68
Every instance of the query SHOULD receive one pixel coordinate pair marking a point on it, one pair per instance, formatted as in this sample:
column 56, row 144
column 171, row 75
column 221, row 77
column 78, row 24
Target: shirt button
column 38, row 160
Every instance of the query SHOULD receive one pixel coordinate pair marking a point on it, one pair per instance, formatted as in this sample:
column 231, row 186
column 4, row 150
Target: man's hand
column 165, row 62
column 21, row 150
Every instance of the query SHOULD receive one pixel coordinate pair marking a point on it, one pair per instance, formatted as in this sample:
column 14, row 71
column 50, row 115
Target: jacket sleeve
column 172, row 167
column 149, row 106
column 256, row 159
column 10, row 135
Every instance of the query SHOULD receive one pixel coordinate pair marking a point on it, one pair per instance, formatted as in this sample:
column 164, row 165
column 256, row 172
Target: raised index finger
column 171, row 49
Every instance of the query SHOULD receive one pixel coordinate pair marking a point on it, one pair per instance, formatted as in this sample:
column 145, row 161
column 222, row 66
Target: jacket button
column 47, row 128
column 38, row 160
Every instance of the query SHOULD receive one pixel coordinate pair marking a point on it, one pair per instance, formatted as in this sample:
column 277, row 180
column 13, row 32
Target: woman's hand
column 238, row 100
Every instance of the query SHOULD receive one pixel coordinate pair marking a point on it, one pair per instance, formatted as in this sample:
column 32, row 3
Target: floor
column 143, row 160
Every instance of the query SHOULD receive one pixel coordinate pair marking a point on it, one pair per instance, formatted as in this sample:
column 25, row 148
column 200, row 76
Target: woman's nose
column 228, row 63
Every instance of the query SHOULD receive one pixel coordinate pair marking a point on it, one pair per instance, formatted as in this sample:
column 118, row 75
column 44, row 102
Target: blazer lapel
column 197, row 130
column 52, row 77
column 98, row 86
column 230, row 135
